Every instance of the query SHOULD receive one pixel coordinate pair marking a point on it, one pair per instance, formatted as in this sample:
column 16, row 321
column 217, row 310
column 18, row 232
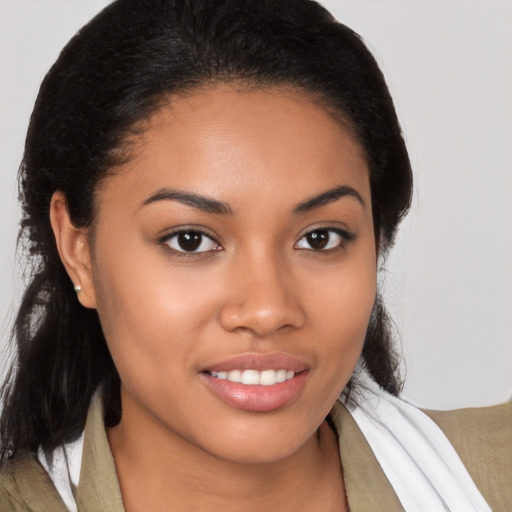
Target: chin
column 259, row 444
column 256, row 454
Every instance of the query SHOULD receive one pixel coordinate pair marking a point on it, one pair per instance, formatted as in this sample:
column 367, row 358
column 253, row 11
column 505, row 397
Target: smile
column 255, row 377
column 257, row 382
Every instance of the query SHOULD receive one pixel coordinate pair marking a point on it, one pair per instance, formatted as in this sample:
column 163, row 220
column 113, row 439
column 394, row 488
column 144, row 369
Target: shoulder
column 25, row 486
column 482, row 438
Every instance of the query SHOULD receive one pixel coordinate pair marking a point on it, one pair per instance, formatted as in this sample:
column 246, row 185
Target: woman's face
column 237, row 244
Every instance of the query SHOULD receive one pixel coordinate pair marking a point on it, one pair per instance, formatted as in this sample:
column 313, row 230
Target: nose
column 261, row 298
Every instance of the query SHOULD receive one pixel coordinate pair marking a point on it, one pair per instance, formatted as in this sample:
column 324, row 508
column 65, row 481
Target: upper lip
column 260, row 362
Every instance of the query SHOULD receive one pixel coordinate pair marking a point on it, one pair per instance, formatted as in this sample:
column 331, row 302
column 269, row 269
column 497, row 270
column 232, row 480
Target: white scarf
column 422, row 466
column 416, row 457
column 63, row 465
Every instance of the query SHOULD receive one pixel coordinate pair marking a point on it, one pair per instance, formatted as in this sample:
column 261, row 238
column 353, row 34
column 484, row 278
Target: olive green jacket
column 482, row 438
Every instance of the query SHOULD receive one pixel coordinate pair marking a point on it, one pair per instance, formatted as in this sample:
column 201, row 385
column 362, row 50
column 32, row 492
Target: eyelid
column 344, row 233
column 162, row 240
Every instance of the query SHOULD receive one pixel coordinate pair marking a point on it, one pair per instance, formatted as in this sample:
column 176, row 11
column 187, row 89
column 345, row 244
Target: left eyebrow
column 328, row 197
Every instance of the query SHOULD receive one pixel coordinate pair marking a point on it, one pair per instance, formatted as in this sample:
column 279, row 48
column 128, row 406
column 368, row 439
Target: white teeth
column 235, row 376
column 254, row 377
column 280, row 375
column 251, row 377
column 268, row 377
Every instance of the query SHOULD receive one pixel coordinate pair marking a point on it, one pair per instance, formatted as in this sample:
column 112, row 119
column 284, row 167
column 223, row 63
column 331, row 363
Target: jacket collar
column 366, row 485
column 98, row 488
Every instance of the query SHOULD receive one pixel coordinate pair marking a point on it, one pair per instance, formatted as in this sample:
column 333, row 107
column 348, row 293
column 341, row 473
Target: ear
column 74, row 250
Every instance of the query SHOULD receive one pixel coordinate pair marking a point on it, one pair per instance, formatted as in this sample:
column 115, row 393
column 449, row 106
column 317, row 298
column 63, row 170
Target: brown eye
column 323, row 239
column 191, row 242
column 318, row 239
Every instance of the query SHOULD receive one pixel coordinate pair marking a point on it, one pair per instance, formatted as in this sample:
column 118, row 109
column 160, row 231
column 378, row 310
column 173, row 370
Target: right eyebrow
column 203, row 203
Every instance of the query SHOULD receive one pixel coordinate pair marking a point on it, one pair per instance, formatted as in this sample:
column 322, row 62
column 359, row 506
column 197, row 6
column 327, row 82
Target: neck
column 157, row 471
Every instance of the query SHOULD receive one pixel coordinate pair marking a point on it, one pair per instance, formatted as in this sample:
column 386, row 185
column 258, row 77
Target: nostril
column 261, row 319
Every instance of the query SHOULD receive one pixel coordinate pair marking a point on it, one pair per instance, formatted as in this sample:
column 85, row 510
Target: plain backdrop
column 448, row 282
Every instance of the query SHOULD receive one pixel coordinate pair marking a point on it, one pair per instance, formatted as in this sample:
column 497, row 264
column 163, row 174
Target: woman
column 192, row 319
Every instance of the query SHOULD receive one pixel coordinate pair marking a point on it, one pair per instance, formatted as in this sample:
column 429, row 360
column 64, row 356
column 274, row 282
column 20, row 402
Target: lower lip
column 257, row 398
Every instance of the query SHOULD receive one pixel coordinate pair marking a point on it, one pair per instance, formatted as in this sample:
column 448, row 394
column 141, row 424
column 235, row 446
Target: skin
column 259, row 287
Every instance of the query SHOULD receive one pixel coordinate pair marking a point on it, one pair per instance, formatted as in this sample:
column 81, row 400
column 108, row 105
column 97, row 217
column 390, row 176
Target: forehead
column 230, row 144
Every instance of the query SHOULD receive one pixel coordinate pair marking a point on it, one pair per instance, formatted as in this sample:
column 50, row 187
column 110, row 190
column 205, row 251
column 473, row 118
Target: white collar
column 420, row 463
column 63, row 466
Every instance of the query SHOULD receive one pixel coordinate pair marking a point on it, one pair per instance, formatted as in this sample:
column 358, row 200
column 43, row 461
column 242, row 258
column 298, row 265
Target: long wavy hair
column 111, row 76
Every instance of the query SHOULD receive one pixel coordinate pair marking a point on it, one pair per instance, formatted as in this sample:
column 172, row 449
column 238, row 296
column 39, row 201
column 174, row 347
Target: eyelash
column 345, row 238
column 175, row 234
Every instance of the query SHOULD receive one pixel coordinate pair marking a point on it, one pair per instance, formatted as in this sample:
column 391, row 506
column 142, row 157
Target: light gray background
column 448, row 282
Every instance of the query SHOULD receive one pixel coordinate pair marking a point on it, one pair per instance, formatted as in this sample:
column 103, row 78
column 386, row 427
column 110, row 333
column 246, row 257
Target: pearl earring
column 78, row 288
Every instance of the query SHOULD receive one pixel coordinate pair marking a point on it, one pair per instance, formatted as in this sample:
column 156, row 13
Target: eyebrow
column 328, row 197
column 190, row 199
column 214, row 206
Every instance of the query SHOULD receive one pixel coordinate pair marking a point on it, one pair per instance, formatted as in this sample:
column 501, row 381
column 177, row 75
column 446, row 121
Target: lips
column 257, row 382
column 260, row 362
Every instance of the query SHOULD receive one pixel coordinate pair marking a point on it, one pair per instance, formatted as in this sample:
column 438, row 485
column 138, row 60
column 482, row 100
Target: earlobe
column 74, row 250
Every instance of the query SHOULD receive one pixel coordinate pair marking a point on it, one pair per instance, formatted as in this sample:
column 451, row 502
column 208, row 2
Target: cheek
column 343, row 296
column 348, row 322
column 149, row 311
column 343, row 306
